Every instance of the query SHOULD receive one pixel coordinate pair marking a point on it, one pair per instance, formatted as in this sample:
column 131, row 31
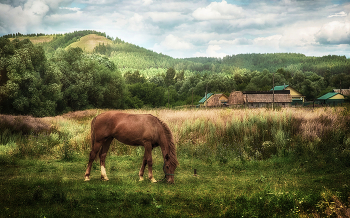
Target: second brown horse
column 132, row 129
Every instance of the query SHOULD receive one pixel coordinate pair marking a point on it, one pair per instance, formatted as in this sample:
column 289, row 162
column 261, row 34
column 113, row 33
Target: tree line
column 39, row 82
column 70, row 80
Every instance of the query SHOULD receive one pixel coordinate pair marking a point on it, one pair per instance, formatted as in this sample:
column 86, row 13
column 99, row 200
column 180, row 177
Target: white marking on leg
column 103, row 173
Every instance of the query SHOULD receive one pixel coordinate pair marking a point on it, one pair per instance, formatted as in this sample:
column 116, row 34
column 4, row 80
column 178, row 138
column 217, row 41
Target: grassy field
column 250, row 163
column 36, row 39
column 89, row 42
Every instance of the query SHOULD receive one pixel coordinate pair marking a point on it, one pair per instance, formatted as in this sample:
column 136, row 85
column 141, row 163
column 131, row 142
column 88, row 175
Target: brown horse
column 136, row 130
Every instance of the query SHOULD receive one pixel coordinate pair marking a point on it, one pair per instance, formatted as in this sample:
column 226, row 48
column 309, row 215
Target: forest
column 46, row 79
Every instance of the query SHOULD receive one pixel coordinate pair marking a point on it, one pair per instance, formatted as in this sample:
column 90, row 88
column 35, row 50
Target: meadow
column 291, row 162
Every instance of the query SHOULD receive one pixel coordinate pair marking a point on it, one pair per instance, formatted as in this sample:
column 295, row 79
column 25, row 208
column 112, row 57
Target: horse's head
column 169, row 169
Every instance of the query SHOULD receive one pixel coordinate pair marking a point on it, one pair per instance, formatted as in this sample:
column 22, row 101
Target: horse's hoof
column 141, row 179
column 104, row 178
column 87, row 179
column 153, row 180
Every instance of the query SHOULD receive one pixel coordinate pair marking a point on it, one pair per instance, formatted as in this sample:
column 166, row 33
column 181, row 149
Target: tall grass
column 291, row 162
column 249, row 134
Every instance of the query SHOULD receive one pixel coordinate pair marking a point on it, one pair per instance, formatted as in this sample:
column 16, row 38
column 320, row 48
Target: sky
column 181, row 29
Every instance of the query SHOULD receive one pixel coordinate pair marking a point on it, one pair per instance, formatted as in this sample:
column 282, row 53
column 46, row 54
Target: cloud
column 166, row 17
column 147, row 2
column 335, row 32
column 172, row 42
column 218, row 11
column 238, row 41
column 340, row 14
column 182, row 28
column 71, row 9
column 211, row 52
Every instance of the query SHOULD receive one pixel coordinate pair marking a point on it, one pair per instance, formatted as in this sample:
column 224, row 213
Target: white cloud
column 147, row 2
column 172, row 42
column 218, row 11
column 71, row 9
column 165, row 16
column 238, row 41
column 212, row 51
column 334, row 32
column 268, row 41
column 340, row 14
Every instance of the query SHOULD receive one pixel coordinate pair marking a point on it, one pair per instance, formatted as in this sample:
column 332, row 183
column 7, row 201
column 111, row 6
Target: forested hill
column 128, row 56
column 50, row 74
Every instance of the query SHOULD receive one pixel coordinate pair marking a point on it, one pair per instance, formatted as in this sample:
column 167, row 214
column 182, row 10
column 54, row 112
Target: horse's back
column 132, row 129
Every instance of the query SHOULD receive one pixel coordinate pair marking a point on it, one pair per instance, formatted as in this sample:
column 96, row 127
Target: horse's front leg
column 147, row 159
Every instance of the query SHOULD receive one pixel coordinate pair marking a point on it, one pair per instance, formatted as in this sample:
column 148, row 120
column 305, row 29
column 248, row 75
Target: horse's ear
column 167, row 157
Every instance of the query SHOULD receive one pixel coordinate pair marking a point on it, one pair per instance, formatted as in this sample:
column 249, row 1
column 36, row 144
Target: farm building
column 203, row 101
column 236, row 98
column 297, row 97
column 254, row 99
column 331, row 98
column 345, row 92
column 213, row 100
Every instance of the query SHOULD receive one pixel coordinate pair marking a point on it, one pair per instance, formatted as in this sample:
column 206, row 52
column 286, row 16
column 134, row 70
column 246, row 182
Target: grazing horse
column 132, row 129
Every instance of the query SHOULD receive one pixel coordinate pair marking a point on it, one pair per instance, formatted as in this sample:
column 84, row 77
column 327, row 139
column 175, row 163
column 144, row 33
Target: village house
column 253, row 99
column 331, row 98
column 345, row 92
column 213, row 100
column 297, row 97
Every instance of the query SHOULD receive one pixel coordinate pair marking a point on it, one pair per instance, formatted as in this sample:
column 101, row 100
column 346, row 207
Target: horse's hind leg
column 103, row 154
column 142, row 170
column 94, row 151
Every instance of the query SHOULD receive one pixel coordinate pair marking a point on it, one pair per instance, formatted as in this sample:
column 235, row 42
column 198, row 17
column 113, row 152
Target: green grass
column 89, row 42
column 278, row 187
column 250, row 163
column 36, row 39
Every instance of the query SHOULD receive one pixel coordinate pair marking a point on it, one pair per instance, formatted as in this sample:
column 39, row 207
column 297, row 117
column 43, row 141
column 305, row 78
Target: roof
column 267, row 98
column 219, row 95
column 327, row 96
column 345, row 92
column 278, row 88
column 204, row 99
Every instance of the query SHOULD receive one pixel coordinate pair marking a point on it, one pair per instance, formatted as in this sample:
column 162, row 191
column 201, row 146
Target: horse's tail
column 93, row 132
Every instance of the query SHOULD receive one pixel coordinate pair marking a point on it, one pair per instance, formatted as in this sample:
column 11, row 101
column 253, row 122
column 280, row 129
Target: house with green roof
column 331, row 98
column 204, row 100
column 297, row 97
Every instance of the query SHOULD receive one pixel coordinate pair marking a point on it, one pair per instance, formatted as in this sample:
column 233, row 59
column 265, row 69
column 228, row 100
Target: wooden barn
column 297, row 97
column 217, row 100
column 213, row 100
column 255, row 99
column 345, row 92
column 236, row 98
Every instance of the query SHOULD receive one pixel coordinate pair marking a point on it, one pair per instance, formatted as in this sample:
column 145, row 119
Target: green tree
column 135, row 77
column 170, row 77
column 29, row 84
column 148, row 93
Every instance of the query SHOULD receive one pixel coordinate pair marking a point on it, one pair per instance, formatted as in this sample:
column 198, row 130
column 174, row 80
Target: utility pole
column 206, row 92
column 192, row 97
column 168, row 99
column 273, row 89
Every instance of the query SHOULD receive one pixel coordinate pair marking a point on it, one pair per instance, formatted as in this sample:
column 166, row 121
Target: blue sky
column 194, row 28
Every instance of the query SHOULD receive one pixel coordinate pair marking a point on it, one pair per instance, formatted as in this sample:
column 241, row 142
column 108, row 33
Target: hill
column 312, row 76
column 36, row 39
column 89, row 42
column 130, row 57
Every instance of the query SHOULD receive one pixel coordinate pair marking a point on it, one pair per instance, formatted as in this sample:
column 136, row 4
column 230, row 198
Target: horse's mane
column 171, row 144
